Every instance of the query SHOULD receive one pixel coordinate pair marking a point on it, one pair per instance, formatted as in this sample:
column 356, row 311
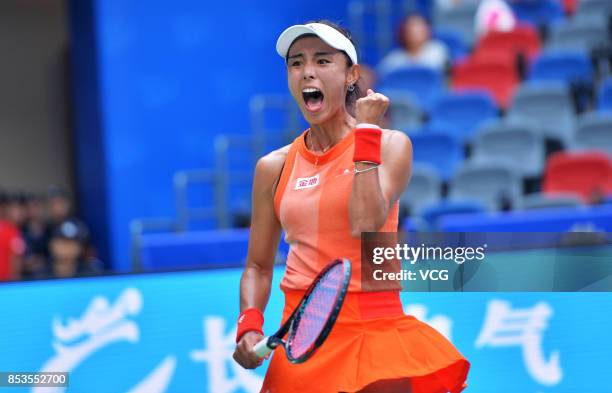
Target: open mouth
column 313, row 98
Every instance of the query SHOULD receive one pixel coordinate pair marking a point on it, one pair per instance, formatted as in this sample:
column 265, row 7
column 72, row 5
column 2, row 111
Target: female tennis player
column 341, row 177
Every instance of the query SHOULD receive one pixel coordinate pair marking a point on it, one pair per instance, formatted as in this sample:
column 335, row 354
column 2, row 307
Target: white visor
column 328, row 34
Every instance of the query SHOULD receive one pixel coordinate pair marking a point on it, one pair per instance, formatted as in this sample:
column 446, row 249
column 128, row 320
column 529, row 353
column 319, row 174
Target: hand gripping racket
column 312, row 320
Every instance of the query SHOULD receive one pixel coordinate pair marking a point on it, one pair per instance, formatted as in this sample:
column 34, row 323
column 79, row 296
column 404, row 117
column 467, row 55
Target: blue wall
column 167, row 77
column 88, row 137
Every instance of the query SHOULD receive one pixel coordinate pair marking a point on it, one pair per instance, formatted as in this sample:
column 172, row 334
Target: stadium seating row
column 519, row 141
column 495, row 75
column 570, row 178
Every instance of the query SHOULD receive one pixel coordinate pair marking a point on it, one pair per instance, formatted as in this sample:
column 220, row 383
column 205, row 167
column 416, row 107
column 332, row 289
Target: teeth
column 310, row 90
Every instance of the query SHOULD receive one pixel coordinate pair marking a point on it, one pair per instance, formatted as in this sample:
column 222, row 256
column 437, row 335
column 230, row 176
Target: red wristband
column 367, row 145
column 250, row 320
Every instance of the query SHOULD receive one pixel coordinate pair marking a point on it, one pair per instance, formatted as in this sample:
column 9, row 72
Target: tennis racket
column 312, row 320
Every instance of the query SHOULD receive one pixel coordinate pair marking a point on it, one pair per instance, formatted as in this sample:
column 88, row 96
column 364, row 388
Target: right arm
column 264, row 236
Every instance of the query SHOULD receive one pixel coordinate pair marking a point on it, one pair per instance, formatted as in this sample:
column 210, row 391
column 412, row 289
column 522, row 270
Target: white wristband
column 367, row 125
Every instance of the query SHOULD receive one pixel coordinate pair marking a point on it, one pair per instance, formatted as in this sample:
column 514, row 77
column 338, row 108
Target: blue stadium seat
column 594, row 12
column 425, row 188
column 594, row 132
column 562, row 65
column 404, row 112
column 604, row 96
column 490, row 183
column 434, row 213
column 517, row 145
column 578, row 35
column 462, row 113
column 548, row 107
column 538, row 12
column 440, row 150
column 459, row 18
column 549, row 201
column 453, row 41
column 535, row 229
column 546, row 220
column 422, row 82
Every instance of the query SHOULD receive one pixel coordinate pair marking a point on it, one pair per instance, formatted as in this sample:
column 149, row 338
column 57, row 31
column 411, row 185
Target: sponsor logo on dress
column 307, row 182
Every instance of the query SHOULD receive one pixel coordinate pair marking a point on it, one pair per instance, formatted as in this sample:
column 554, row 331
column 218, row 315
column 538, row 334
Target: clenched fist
column 371, row 108
column 244, row 354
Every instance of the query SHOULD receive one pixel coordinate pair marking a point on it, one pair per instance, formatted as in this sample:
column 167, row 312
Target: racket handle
column 262, row 349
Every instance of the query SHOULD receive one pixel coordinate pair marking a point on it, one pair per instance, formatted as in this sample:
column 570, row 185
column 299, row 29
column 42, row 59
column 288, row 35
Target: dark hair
column 351, row 96
column 401, row 29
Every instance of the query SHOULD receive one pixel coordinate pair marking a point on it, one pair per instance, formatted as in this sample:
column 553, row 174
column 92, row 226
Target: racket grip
column 262, row 349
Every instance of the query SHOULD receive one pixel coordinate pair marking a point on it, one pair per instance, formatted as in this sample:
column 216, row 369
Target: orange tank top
column 312, row 205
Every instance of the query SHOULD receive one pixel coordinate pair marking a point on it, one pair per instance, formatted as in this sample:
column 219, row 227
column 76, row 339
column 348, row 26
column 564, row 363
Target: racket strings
column 316, row 311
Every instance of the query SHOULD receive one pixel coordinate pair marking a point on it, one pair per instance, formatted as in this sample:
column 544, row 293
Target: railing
column 260, row 105
column 222, row 177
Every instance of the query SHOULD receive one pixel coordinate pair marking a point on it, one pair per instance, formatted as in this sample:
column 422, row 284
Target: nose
column 308, row 72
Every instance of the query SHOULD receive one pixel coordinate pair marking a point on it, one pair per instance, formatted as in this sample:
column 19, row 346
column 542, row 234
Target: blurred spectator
column 34, row 244
column 416, row 48
column 59, row 206
column 16, row 209
column 11, row 243
column 36, row 235
column 494, row 15
column 60, row 212
column 3, row 203
column 68, row 247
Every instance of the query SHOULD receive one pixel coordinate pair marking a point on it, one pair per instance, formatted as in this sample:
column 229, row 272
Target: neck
column 415, row 48
column 324, row 136
column 64, row 267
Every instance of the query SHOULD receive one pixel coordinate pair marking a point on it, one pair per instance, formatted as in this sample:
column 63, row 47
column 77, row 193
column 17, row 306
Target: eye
column 295, row 63
column 323, row 61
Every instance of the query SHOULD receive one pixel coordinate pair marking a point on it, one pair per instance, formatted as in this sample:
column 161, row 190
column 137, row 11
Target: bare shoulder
column 395, row 142
column 273, row 162
column 269, row 167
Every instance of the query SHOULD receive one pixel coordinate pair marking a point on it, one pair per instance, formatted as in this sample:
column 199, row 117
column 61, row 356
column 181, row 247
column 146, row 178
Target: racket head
column 318, row 311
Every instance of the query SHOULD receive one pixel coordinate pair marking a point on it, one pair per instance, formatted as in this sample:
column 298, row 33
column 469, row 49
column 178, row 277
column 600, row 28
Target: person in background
column 16, row 209
column 36, row 235
column 11, row 244
column 59, row 206
column 494, row 15
column 60, row 211
column 416, row 48
column 67, row 247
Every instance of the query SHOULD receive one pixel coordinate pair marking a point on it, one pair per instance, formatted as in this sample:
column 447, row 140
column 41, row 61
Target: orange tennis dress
column 372, row 339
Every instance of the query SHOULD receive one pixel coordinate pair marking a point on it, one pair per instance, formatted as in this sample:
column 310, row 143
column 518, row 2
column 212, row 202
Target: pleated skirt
column 372, row 340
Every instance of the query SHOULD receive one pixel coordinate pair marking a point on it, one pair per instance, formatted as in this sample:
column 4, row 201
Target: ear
column 353, row 74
